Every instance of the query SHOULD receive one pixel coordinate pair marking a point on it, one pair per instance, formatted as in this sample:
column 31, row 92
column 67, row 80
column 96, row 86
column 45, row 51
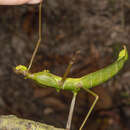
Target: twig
column 11, row 122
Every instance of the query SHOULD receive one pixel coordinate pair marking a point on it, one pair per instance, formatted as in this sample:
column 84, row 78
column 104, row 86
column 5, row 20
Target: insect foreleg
column 40, row 36
column 68, row 125
column 90, row 110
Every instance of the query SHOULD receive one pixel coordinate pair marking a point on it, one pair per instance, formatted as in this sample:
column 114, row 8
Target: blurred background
column 98, row 28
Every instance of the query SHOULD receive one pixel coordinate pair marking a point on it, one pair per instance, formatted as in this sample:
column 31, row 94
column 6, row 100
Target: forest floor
column 99, row 29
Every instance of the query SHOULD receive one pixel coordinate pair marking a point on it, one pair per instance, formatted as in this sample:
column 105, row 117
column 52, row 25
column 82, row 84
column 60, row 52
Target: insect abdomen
column 106, row 73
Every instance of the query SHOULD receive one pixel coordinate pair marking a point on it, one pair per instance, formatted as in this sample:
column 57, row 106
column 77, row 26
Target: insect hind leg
column 68, row 125
column 91, row 108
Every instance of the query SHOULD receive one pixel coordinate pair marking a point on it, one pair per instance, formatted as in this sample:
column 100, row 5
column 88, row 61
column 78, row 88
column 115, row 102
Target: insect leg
column 90, row 110
column 68, row 125
column 69, row 67
column 40, row 36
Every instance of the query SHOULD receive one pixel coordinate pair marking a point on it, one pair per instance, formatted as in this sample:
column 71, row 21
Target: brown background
column 98, row 28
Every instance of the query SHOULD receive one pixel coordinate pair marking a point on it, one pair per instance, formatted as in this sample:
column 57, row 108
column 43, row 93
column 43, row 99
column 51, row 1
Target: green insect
column 74, row 85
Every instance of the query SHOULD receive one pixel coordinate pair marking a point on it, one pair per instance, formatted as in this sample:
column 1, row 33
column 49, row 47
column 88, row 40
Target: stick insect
column 45, row 77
